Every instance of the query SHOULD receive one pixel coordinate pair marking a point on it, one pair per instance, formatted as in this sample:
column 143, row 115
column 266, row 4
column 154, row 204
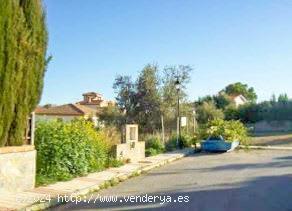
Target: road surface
column 242, row 180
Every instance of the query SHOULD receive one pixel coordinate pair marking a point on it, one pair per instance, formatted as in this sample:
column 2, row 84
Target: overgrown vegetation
column 273, row 110
column 151, row 99
column 69, row 149
column 154, row 146
column 229, row 130
column 23, row 44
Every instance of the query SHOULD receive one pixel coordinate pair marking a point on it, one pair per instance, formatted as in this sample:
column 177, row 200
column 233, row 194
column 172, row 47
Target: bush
column 113, row 162
column 111, row 134
column 171, row 144
column 69, row 149
column 154, row 146
column 229, row 130
column 151, row 152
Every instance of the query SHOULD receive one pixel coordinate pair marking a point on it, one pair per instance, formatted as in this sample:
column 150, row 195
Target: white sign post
column 183, row 121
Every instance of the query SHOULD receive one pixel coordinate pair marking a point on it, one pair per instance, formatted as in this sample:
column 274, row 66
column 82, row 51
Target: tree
column 112, row 116
column 125, row 90
column 207, row 98
column 283, row 98
column 23, row 44
column 231, row 112
column 207, row 112
column 152, row 100
column 241, row 89
column 222, row 101
column 169, row 92
column 147, row 111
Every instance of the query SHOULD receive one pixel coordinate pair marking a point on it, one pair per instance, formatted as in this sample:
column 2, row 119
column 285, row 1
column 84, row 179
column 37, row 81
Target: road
column 242, row 180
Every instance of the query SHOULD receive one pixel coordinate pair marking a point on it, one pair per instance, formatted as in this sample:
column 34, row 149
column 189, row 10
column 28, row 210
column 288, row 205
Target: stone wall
column 272, row 126
column 17, row 168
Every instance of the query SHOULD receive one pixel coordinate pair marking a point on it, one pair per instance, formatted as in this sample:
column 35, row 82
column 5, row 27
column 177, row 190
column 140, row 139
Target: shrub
column 151, row 152
column 113, row 162
column 111, row 134
column 186, row 140
column 154, row 146
column 171, row 144
column 229, row 130
column 69, row 149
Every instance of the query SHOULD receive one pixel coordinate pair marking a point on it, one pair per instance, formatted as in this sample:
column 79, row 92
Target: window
column 133, row 133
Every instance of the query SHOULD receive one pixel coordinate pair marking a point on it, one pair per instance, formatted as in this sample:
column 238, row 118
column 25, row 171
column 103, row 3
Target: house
column 238, row 100
column 65, row 112
column 89, row 108
column 95, row 101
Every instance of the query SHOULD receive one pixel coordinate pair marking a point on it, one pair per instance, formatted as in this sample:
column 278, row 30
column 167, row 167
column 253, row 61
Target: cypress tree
column 23, row 43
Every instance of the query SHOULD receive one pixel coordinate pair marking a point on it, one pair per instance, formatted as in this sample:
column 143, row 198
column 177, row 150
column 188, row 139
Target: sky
column 225, row 41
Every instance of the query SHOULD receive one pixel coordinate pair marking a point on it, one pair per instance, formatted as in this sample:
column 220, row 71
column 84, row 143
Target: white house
column 90, row 107
column 239, row 100
column 65, row 112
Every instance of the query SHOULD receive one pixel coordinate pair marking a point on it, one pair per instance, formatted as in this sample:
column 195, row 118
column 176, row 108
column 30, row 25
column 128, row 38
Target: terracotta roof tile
column 67, row 109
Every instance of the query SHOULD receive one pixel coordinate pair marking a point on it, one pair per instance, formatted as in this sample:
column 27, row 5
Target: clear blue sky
column 92, row 41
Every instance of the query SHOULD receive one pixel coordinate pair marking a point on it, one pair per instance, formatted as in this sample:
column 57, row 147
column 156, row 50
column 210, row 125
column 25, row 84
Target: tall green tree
column 283, row 98
column 148, row 99
column 152, row 99
column 126, row 101
column 23, row 44
column 169, row 94
column 243, row 89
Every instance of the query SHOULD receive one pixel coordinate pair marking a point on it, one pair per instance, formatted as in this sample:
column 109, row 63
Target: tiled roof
column 67, row 109
column 92, row 93
column 85, row 109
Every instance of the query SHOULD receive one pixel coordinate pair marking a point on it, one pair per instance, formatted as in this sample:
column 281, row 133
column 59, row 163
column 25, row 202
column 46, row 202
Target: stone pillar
column 131, row 148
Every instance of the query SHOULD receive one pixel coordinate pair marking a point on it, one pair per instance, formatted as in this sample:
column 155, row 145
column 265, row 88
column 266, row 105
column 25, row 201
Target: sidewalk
column 37, row 199
column 265, row 147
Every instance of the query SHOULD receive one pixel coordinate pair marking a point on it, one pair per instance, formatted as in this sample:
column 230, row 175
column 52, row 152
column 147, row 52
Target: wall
column 17, row 168
column 133, row 152
column 51, row 117
column 272, row 126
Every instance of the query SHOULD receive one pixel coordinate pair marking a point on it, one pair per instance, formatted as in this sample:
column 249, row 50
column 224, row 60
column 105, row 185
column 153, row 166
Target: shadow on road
column 263, row 193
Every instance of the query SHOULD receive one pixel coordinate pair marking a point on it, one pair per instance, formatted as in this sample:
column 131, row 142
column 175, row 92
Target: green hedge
column 69, row 149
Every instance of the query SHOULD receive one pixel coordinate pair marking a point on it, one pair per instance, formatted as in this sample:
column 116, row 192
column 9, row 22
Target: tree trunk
column 162, row 128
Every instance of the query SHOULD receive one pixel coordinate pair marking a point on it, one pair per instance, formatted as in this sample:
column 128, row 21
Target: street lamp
column 178, row 135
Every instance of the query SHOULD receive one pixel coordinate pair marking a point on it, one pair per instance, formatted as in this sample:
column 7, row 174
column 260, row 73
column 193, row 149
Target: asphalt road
column 247, row 181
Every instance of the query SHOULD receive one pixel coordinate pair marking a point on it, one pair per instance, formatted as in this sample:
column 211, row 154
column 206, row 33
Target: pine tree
column 23, row 43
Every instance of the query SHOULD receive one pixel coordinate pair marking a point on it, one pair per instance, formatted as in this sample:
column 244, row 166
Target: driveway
column 242, row 180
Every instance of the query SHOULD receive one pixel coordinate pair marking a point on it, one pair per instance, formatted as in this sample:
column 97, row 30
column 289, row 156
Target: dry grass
column 276, row 139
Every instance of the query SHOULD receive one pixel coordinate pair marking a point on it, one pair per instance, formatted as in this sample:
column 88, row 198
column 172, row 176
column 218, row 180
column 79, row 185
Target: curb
column 265, row 147
column 113, row 181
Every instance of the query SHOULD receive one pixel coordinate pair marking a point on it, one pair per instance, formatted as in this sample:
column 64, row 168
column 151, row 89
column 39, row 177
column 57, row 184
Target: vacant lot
column 255, row 180
column 273, row 140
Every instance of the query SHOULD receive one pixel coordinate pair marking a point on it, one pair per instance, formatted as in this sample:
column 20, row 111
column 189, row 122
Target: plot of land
column 241, row 180
column 273, row 140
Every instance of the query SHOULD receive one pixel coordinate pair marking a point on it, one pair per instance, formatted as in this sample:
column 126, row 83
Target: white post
column 32, row 128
